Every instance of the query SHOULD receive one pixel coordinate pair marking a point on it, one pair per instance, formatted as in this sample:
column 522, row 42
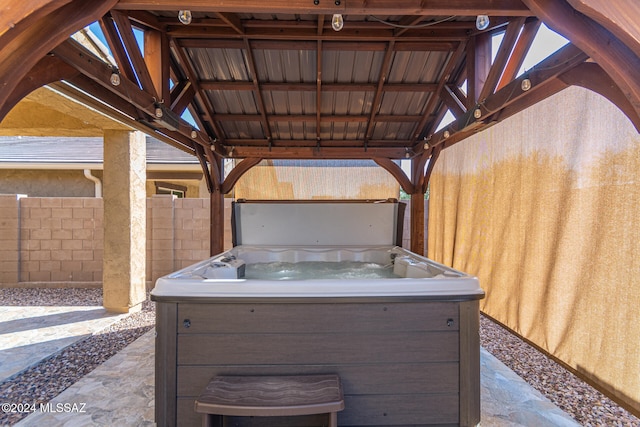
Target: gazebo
column 318, row 79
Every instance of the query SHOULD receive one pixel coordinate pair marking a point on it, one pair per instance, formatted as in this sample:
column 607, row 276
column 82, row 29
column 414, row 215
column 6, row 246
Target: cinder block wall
column 58, row 241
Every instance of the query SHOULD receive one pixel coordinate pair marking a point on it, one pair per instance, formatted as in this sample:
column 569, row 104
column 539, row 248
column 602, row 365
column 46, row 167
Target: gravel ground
column 50, row 377
column 586, row 405
column 46, row 380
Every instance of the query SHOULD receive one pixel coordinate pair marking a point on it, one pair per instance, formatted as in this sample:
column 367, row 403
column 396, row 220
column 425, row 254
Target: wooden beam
column 200, row 96
column 258, row 93
column 146, row 20
column 591, row 76
column 446, row 74
column 456, row 105
column 377, row 100
column 80, row 86
column 91, row 66
column 112, row 37
column 478, row 66
column 539, row 77
column 312, row 87
column 313, row 117
column 216, row 222
column 432, row 163
column 24, row 14
column 312, row 152
column 208, row 179
column 125, row 30
column 237, row 172
column 47, row 70
column 430, row 39
column 616, row 58
column 156, row 58
column 520, row 50
column 620, row 17
column 37, row 33
column 232, row 20
column 417, row 204
column 502, row 57
column 354, row 7
column 319, row 55
column 181, row 96
column 397, row 172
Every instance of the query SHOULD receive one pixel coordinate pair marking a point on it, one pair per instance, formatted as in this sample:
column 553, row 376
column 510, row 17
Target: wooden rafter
column 312, row 87
column 452, row 100
column 80, row 86
column 181, row 96
column 89, row 65
column 200, row 96
column 446, row 73
column 257, row 91
column 318, row 89
column 438, row 39
column 110, row 32
column 298, row 151
column 350, row 118
column 233, row 21
column 491, row 109
column 125, row 30
column 502, row 57
column 520, row 50
column 377, row 100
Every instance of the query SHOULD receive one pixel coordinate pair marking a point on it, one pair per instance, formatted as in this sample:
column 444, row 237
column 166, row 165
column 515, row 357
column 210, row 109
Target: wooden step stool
column 271, row 396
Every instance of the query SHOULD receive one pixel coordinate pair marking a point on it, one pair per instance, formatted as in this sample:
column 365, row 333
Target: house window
column 168, row 188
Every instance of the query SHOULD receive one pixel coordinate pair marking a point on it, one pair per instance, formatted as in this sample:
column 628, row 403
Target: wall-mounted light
column 446, row 134
column 194, row 134
column 166, row 118
column 337, row 22
column 525, row 85
column 115, row 78
column 477, row 113
column 482, row 22
column 184, row 16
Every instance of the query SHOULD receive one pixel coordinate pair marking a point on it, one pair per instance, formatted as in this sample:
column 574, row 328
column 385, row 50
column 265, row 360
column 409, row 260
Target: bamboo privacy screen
column 319, row 179
column 544, row 207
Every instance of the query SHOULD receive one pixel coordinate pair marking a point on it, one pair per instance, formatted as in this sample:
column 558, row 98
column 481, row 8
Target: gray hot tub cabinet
column 406, row 355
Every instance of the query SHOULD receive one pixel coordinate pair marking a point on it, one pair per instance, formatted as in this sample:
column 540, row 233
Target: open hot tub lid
column 317, row 223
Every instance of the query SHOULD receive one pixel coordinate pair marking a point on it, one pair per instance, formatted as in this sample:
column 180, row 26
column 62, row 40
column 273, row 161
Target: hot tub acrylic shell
column 221, row 276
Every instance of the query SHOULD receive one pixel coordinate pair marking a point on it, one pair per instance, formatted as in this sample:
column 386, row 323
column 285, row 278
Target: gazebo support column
column 417, row 223
column 217, row 222
column 123, row 277
column 216, row 215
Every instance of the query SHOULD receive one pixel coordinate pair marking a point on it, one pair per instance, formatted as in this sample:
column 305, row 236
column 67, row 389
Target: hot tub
column 400, row 330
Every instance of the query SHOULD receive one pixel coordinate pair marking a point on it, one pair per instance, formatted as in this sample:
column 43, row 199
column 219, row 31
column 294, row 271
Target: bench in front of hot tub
column 270, row 396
